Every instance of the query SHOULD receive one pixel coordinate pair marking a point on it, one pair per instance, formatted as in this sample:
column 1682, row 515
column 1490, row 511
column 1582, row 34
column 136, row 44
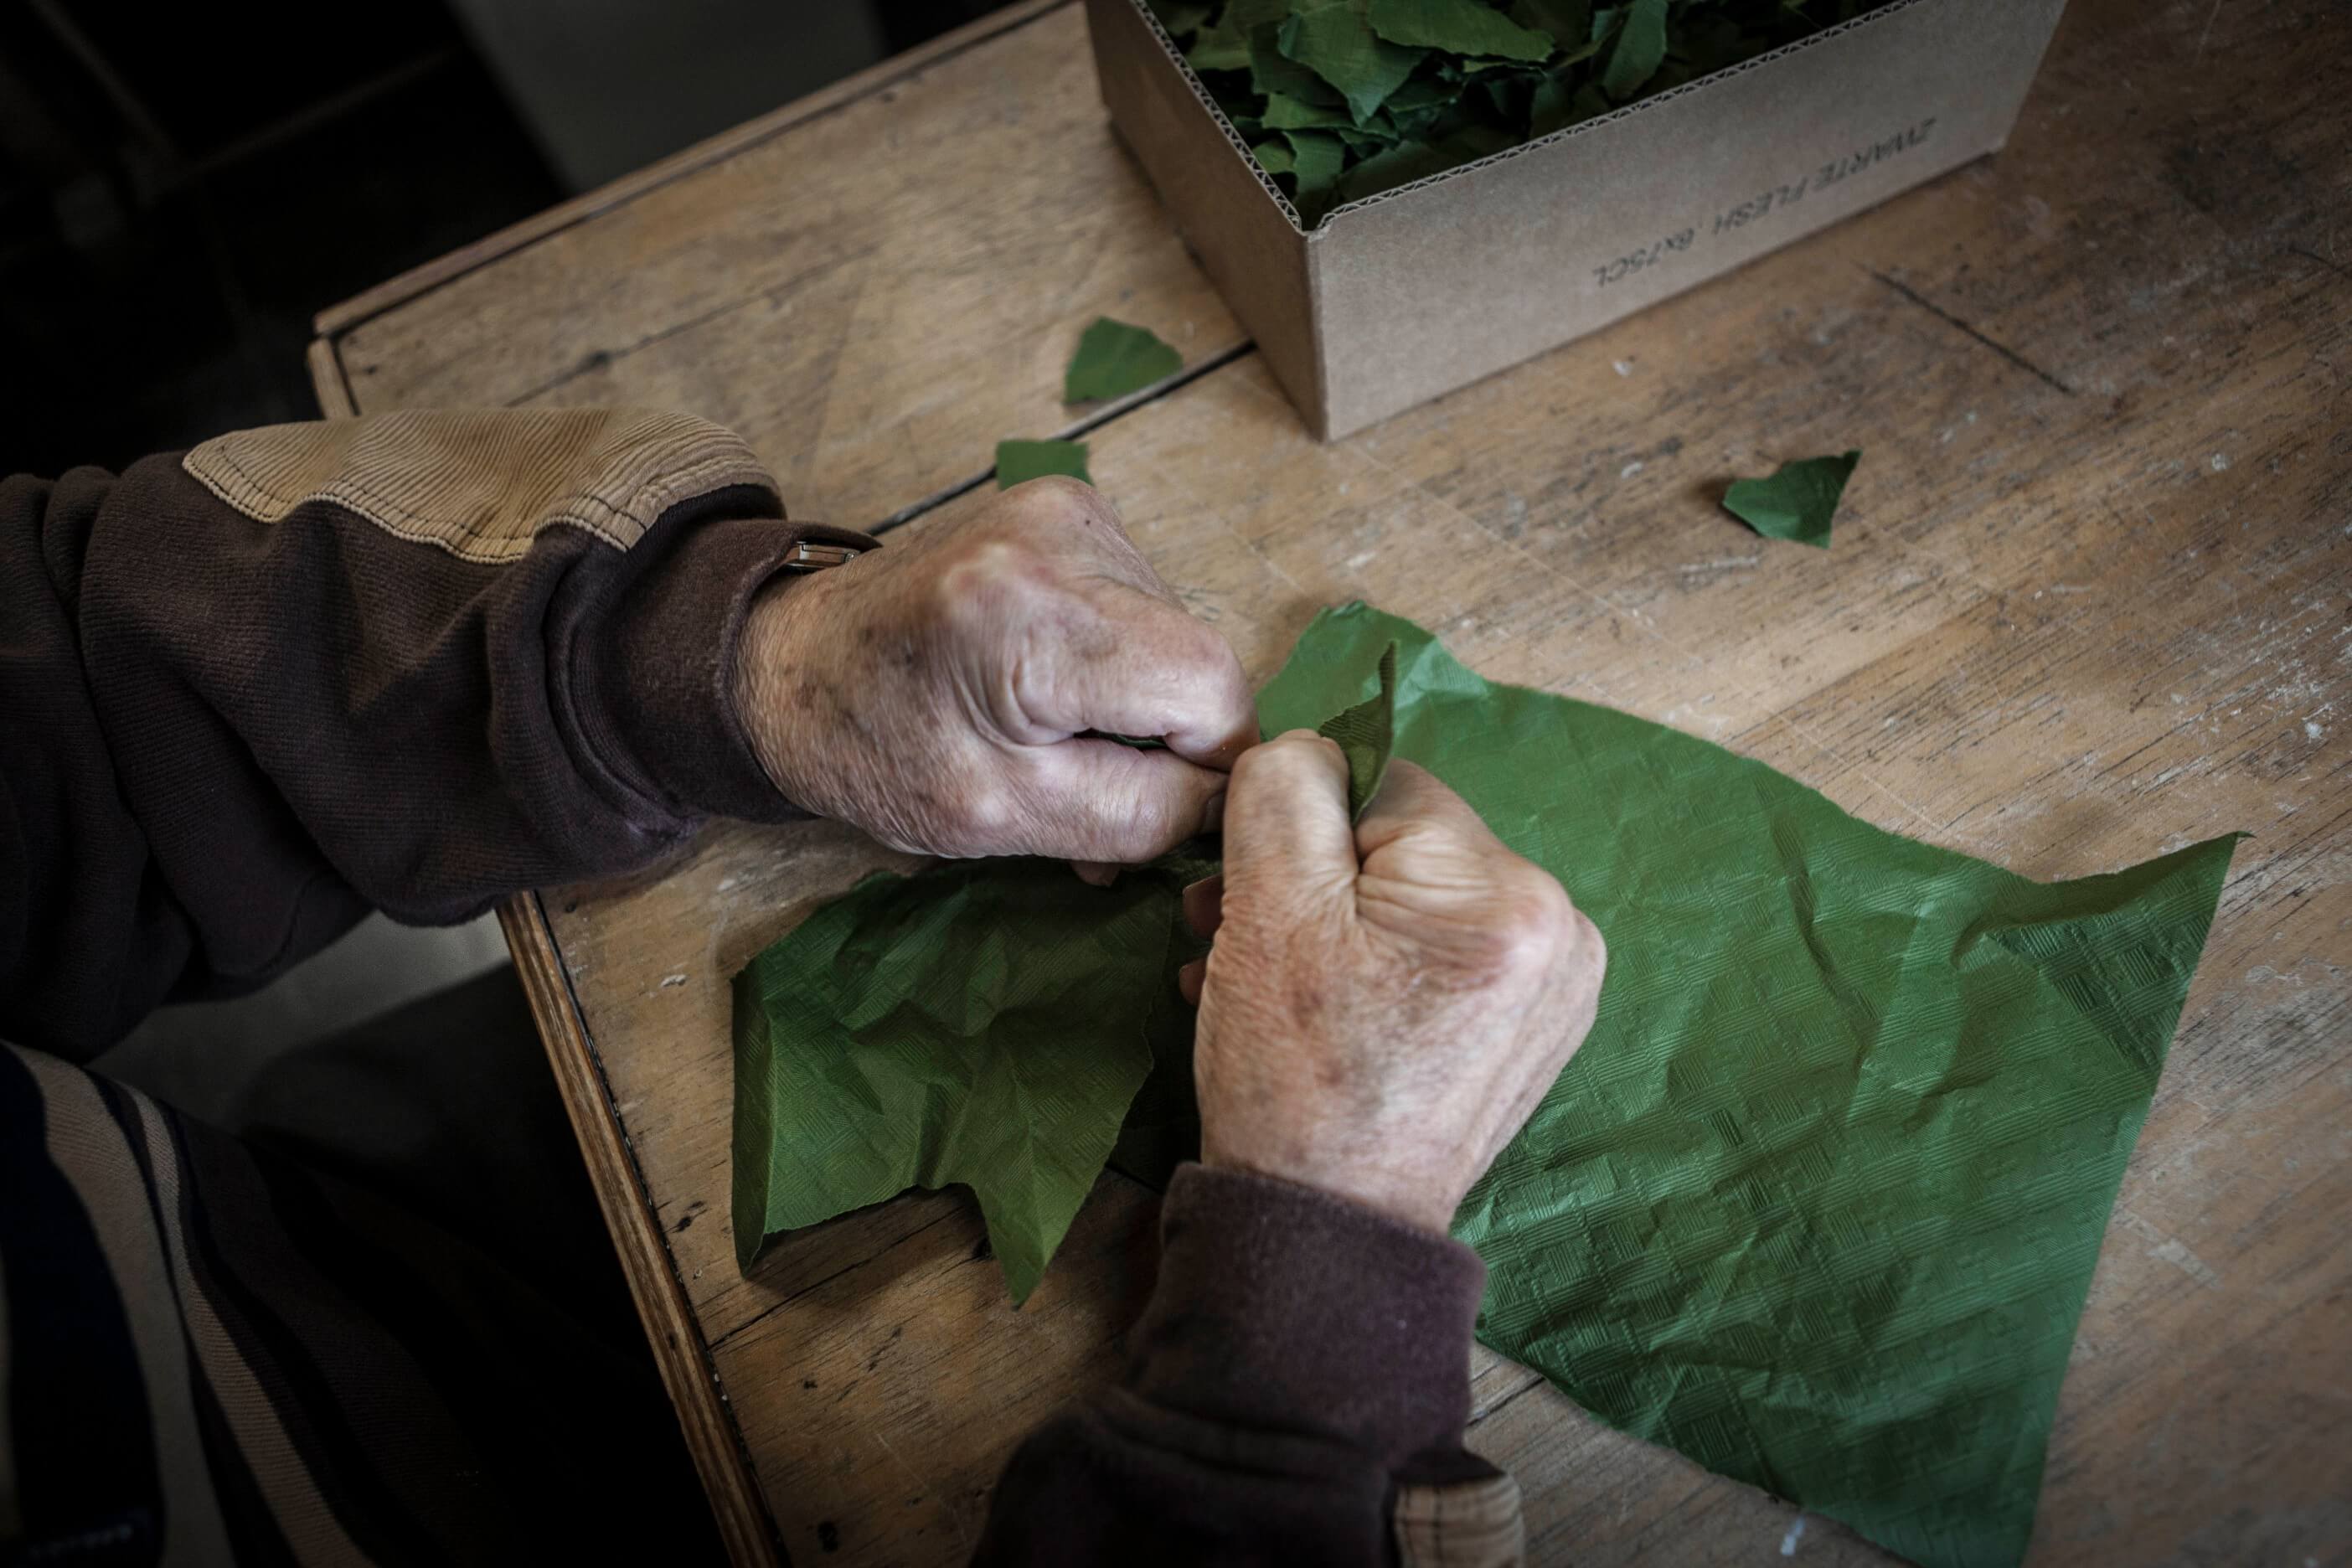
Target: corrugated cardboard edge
column 1964, row 66
column 1238, row 225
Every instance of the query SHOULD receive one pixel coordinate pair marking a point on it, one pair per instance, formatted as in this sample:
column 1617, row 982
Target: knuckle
column 983, row 578
column 1531, row 924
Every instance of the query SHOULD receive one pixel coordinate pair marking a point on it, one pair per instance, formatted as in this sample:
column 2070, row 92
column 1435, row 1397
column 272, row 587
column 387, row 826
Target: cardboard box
column 1412, row 293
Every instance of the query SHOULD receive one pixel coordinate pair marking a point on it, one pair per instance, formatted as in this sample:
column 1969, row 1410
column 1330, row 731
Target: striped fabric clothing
column 189, row 1372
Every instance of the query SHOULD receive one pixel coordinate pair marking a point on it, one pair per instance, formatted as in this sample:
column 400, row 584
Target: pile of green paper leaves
column 1340, row 99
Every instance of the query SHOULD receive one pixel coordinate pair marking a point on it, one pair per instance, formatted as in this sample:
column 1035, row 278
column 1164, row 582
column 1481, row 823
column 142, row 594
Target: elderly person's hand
column 939, row 693
column 1384, row 1003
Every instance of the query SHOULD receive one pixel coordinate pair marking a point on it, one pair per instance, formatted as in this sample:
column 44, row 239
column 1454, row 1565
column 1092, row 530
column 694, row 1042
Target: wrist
column 1283, row 1308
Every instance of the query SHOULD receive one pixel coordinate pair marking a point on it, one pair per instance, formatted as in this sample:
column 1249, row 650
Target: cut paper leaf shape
column 1338, row 45
column 1017, row 462
column 1459, row 27
column 1114, row 359
column 1819, row 1200
column 1796, row 503
column 1640, row 50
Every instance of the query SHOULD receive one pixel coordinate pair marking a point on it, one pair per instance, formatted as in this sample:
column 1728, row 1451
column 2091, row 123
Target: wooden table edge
column 712, row 1439
column 336, row 319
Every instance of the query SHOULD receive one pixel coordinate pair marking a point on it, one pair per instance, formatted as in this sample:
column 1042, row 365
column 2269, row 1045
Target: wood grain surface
column 2091, row 599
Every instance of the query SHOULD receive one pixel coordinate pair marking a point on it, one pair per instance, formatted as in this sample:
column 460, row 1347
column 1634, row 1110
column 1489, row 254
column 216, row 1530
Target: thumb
column 1286, row 816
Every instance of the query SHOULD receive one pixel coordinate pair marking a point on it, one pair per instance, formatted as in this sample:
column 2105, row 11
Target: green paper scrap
column 1366, row 733
column 1796, row 503
column 1818, row 1202
column 1181, row 17
column 1338, row 45
column 1114, row 359
column 1416, row 87
column 1459, row 27
column 1639, row 51
column 1018, row 462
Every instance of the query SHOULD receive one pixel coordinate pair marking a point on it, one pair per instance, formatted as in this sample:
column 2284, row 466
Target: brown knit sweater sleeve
column 413, row 662
column 1294, row 1394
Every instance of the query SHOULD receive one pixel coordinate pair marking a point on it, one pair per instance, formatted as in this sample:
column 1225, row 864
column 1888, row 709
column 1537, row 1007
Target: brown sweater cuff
column 1284, row 1308
column 672, row 698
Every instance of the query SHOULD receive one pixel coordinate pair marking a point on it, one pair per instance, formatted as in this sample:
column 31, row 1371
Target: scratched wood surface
column 2091, row 599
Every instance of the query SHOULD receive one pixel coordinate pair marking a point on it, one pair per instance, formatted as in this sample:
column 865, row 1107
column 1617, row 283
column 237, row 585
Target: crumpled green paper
column 1819, row 1200
column 1798, row 502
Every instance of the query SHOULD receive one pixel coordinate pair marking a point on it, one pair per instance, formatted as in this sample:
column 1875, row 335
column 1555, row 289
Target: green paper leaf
column 1271, row 71
column 1640, row 50
column 1180, row 17
column 1796, row 503
column 1017, row 462
column 1315, row 159
column 1569, row 22
column 1274, row 157
column 1225, row 45
column 1367, row 734
column 1283, row 112
column 1456, row 27
column 1338, row 44
column 1114, row 359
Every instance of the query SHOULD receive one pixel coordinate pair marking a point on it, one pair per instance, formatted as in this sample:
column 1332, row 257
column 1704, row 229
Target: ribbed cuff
column 1286, row 1308
column 673, row 701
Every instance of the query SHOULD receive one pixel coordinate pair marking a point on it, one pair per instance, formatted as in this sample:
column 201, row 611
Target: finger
column 1095, row 873
column 1411, row 796
column 1205, row 906
column 1191, row 978
column 1162, row 672
column 1286, row 815
column 1099, row 801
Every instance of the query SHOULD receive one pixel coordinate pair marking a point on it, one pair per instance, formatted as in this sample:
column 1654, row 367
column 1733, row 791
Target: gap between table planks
column 2054, row 631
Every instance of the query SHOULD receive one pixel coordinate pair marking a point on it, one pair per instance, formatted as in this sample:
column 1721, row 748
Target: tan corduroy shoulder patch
column 482, row 484
column 1471, row 1524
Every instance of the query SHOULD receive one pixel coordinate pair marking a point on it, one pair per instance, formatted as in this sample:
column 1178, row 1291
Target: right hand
column 1385, row 1005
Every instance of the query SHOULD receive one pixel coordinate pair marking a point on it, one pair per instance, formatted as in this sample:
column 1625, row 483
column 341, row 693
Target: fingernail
column 1213, row 816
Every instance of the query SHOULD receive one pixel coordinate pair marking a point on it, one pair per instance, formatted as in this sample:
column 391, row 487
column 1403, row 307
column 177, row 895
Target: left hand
column 937, row 692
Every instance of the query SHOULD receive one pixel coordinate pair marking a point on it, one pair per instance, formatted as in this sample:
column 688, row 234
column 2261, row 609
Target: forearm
column 412, row 663
column 1296, row 1393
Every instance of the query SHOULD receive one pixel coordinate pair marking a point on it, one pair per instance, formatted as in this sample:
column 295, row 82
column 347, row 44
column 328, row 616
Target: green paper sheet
column 1818, row 1202
column 1018, row 462
column 1114, row 359
column 1797, row 503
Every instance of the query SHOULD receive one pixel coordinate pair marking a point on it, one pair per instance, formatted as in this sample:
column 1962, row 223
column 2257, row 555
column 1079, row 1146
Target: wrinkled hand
column 935, row 693
column 1385, row 1005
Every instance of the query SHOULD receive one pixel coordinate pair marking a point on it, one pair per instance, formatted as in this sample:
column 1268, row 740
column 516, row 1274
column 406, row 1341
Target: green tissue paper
column 1818, row 1202
column 1798, row 502
column 1114, row 359
column 1018, row 462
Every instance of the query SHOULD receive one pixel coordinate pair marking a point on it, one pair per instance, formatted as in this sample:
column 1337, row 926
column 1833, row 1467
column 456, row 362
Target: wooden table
column 2092, row 599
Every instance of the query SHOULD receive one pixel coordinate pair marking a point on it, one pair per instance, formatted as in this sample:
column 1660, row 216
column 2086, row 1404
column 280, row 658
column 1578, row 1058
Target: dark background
column 182, row 187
